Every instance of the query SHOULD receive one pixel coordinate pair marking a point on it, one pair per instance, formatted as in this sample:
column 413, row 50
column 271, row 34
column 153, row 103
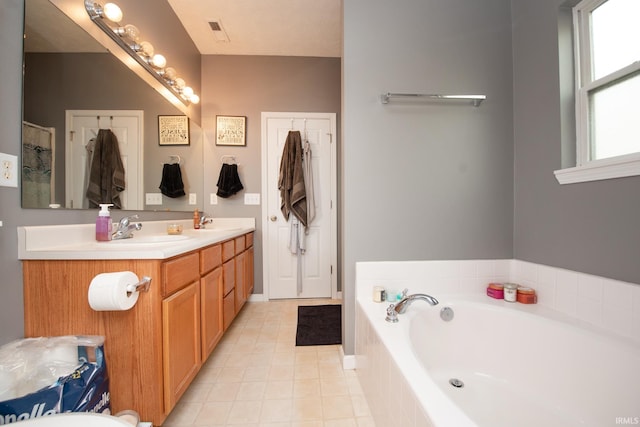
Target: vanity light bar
column 127, row 37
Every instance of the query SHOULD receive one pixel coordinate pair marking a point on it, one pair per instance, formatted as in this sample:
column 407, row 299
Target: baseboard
column 348, row 361
column 256, row 298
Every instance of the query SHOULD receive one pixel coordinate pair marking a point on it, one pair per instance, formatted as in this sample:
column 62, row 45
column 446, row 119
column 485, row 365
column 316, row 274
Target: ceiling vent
column 218, row 32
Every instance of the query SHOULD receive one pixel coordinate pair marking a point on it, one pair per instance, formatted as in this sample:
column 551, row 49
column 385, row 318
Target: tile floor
column 257, row 377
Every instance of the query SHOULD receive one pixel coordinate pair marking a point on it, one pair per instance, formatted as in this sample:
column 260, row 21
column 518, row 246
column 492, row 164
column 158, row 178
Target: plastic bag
column 48, row 375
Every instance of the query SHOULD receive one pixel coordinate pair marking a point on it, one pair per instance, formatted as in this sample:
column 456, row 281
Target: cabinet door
column 229, row 283
column 241, row 291
column 248, row 279
column 181, row 342
column 211, row 311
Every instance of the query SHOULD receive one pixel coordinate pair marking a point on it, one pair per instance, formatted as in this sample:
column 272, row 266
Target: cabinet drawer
column 210, row 258
column 179, row 272
column 249, row 239
column 240, row 245
column 228, row 250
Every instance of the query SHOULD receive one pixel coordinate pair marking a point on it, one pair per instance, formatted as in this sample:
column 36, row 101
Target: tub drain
column 456, row 383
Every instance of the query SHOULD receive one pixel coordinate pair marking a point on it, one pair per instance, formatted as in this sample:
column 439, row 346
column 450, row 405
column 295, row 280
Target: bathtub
column 494, row 364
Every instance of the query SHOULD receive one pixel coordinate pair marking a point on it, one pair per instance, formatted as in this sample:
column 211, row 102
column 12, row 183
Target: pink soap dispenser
column 104, row 226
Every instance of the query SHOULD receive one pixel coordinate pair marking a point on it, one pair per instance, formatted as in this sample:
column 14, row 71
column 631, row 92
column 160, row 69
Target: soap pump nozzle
column 104, row 209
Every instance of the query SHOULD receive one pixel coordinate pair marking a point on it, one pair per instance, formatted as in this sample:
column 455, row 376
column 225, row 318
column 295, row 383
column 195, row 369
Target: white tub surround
column 526, row 365
column 77, row 241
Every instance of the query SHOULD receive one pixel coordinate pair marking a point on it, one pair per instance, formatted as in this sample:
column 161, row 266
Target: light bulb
column 194, row 98
column 146, row 49
column 187, row 92
column 158, row 61
column 170, row 73
column 179, row 83
column 132, row 32
column 112, row 12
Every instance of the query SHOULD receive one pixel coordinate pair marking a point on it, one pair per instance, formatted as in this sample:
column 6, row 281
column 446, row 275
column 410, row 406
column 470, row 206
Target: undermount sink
column 158, row 238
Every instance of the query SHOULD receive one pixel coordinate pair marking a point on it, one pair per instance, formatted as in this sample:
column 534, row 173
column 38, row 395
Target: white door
column 81, row 126
column 318, row 262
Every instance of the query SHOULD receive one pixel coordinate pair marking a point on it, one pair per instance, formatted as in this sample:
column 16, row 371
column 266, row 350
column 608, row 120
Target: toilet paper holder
column 141, row 286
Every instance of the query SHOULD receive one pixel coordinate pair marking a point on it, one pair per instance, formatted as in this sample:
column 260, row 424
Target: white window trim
column 596, row 170
column 601, row 169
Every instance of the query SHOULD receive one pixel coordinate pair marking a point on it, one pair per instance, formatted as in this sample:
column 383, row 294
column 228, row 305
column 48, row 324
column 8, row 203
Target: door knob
column 273, row 218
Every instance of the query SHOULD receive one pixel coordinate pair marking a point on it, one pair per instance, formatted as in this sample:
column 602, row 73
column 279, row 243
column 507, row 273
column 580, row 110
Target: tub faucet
column 407, row 300
column 124, row 229
column 401, row 306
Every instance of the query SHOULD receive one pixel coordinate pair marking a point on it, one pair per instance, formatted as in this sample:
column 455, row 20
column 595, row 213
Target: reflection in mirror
column 73, row 87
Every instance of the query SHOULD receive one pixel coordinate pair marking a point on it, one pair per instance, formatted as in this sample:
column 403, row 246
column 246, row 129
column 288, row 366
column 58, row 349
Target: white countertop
column 77, row 241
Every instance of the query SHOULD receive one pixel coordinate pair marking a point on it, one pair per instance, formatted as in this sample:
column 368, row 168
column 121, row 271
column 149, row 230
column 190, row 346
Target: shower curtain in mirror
column 38, row 168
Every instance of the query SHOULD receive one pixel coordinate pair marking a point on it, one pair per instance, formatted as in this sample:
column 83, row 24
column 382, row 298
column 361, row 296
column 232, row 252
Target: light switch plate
column 153, row 198
column 252, row 199
column 193, row 198
column 8, row 170
column 213, row 199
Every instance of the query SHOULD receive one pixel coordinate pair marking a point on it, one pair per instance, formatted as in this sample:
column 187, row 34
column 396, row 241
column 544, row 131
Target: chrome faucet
column 204, row 220
column 124, row 229
column 401, row 306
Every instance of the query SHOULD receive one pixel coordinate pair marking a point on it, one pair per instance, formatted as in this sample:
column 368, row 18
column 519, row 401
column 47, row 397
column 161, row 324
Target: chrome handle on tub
column 392, row 315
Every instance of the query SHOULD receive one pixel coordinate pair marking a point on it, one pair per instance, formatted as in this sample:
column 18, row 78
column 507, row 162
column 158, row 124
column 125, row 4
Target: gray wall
column 590, row 227
column 247, row 86
column 425, row 181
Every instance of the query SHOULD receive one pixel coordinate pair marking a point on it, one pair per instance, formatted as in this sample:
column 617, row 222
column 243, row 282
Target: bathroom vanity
column 199, row 282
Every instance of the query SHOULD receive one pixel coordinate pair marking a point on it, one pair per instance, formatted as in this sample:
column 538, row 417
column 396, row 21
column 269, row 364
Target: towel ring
column 176, row 157
column 233, row 158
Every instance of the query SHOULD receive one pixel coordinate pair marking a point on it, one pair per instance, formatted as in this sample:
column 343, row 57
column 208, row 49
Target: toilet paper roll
column 108, row 291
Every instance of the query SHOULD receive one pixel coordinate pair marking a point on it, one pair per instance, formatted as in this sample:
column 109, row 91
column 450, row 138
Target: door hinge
column 330, row 137
column 71, row 132
column 331, row 269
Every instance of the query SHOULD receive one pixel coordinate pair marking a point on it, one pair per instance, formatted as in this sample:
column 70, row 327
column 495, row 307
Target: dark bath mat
column 319, row 325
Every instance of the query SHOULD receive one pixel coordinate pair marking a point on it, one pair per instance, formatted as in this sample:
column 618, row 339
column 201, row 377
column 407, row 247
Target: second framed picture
column 231, row 130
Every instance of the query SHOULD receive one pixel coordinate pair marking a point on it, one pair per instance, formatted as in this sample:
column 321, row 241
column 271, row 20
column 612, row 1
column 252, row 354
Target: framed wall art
column 231, row 130
column 173, row 130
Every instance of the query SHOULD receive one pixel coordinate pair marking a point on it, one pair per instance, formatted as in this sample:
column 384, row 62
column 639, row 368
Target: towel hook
column 176, row 157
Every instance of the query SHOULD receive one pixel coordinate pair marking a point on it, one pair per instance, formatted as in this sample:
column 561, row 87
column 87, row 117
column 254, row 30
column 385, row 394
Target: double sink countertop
column 77, row 241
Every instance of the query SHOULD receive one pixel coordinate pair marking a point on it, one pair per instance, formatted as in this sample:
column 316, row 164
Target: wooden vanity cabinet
column 154, row 350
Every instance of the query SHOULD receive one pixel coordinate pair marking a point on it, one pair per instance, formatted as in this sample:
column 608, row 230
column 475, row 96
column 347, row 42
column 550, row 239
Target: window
column 607, row 68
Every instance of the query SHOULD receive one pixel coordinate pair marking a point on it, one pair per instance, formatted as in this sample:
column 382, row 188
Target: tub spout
column 406, row 301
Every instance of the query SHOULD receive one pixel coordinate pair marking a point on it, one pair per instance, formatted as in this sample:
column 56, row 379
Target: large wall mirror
column 73, row 86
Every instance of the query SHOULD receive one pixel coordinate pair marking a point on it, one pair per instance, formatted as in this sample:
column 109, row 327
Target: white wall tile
column 566, row 292
column 618, row 294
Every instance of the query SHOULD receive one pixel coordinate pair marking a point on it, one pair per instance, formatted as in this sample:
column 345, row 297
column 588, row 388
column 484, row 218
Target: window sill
column 599, row 170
